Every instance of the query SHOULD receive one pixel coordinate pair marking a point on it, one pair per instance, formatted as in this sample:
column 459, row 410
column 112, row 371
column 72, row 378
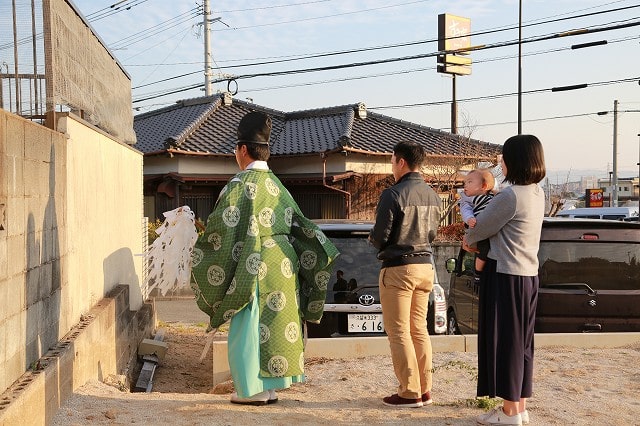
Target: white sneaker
column 525, row 417
column 498, row 417
column 261, row 398
column 273, row 397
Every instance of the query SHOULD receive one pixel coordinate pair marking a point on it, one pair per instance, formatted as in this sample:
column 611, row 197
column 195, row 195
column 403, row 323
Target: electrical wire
column 155, row 30
column 418, row 42
column 112, row 10
column 593, row 29
column 556, row 117
column 392, row 60
column 432, row 54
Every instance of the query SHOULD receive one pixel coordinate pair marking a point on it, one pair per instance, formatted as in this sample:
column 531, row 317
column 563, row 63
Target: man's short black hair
column 411, row 152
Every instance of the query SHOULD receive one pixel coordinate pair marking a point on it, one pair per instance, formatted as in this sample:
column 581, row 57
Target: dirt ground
column 572, row 387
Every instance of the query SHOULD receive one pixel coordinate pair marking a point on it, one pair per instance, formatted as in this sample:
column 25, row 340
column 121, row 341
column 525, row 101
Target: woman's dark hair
column 257, row 151
column 411, row 152
column 524, row 157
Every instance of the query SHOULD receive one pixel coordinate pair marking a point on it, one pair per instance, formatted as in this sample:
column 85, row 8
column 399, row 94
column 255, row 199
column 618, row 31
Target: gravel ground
column 572, row 387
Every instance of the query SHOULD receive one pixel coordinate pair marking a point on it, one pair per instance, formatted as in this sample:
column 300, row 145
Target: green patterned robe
column 257, row 236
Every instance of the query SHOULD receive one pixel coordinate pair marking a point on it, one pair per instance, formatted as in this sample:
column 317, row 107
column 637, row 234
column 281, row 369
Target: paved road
column 182, row 310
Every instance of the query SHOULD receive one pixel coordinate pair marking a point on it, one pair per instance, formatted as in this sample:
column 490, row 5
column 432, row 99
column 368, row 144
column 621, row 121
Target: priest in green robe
column 261, row 264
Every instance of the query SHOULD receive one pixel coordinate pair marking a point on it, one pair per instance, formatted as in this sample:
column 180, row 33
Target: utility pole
column 520, row 68
column 638, row 170
column 614, row 183
column 208, row 87
column 610, row 190
column 454, row 109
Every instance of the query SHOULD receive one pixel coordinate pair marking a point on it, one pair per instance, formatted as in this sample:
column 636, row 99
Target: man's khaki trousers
column 404, row 295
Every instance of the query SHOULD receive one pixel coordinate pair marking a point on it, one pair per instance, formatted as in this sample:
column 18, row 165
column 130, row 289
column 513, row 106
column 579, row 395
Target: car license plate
column 365, row 323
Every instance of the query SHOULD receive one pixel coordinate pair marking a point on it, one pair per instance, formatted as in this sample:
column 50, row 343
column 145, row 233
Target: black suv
column 589, row 279
column 354, row 309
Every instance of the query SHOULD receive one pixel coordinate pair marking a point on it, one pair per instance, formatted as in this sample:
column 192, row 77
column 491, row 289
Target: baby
column 478, row 191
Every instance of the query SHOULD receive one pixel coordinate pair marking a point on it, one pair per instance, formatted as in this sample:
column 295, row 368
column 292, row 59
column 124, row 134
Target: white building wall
column 207, row 165
column 105, row 220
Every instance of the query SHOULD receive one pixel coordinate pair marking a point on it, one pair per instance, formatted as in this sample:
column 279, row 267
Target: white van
column 615, row 213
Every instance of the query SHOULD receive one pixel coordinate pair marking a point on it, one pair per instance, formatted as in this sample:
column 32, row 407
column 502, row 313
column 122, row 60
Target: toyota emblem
column 366, row 300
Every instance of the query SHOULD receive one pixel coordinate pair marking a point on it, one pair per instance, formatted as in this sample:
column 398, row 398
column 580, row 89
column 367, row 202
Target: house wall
column 208, row 165
column 336, row 163
column 70, row 225
column 302, row 165
column 160, row 165
column 379, row 165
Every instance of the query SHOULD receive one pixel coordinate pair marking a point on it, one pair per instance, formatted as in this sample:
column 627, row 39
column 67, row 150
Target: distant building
column 588, row 182
column 333, row 160
column 627, row 189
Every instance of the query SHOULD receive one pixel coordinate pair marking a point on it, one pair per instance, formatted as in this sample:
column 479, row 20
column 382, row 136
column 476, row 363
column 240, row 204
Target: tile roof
column 207, row 126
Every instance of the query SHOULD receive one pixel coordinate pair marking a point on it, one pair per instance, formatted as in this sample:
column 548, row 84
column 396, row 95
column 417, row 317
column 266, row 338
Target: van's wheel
column 452, row 324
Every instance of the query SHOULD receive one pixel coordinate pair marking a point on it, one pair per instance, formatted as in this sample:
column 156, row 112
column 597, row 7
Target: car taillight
column 590, row 237
column 438, row 294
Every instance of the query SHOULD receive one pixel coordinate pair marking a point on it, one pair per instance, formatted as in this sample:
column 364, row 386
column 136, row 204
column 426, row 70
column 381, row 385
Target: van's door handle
column 592, row 327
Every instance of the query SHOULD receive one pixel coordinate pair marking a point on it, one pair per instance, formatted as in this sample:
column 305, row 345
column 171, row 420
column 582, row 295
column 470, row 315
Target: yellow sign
column 453, row 32
column 454, row 43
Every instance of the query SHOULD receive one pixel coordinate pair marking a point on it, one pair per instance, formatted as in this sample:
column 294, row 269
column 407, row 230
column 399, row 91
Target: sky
column 160, row 43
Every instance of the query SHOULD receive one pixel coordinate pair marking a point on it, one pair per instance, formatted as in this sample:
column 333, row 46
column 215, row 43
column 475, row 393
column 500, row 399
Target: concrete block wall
column 32, row 245
column 89, row 351
column 70, row 229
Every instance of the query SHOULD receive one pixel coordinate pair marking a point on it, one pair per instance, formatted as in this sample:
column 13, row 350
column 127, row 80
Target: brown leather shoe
column 396, row 400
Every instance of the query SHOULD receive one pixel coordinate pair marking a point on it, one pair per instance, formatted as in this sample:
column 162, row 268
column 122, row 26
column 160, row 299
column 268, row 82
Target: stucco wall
column 71, row 225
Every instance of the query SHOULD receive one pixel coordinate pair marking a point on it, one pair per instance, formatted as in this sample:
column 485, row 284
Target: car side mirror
column 451, row 264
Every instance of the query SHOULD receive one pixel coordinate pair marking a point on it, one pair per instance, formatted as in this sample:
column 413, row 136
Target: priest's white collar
column 258, row 165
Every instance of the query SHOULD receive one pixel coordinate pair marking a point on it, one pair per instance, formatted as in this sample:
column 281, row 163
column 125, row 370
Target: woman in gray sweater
column 508, row 291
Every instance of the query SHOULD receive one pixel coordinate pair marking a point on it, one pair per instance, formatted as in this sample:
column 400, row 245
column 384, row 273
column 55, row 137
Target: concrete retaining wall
column 91, row 350
column 62, row 195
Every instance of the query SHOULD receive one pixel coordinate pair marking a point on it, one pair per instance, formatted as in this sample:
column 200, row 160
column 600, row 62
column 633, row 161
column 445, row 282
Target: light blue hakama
column 244, row 354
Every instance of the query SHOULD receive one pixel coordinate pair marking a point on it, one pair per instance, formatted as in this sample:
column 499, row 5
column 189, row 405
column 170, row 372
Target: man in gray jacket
column 407, row 220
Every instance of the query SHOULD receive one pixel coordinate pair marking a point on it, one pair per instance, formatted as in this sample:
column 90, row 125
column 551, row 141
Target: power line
column 113, row 9
column 431, row 54
column 369, row 76
column 593, row 29
column 156, row 29
column 385, row 74
column 413, row 105
column 272, row 7
column 403, row 4
column 323, row 17
column 556, row 117
column 501, row 95
column 413, row 43
column 422, row 69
